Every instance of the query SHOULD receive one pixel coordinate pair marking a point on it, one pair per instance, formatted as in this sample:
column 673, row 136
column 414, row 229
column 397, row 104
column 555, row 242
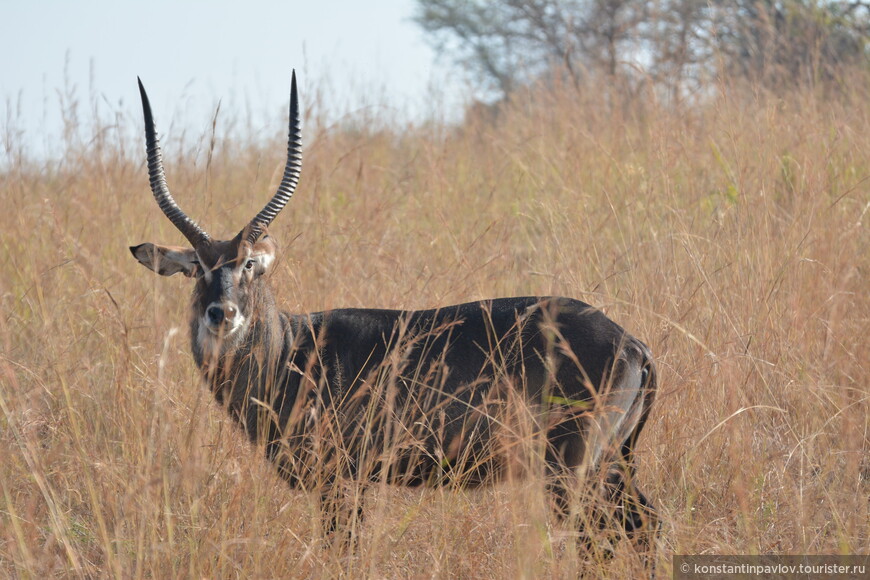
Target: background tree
column 679, row 45
column 506, row 44
column 780, row 42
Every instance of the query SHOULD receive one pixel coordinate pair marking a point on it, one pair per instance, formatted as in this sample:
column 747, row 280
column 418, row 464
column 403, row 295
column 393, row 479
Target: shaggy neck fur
column 241, row 369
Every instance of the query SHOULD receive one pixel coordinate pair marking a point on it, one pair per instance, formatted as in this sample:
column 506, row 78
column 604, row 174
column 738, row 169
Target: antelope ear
column 263, row 252
column 167, row 260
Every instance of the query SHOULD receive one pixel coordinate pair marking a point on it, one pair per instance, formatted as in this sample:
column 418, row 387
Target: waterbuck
column 452, row 395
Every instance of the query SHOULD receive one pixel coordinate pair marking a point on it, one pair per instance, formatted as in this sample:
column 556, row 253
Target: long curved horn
column 291, row 174
column 194, row 234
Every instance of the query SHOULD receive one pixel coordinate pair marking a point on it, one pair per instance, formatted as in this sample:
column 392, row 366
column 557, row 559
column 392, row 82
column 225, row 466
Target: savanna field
column 730, row 235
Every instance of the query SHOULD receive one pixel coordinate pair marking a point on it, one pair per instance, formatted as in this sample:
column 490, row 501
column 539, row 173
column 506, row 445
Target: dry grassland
column 732, row 237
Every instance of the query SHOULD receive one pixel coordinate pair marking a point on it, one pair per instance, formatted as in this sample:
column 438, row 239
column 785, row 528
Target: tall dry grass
column 732, row 237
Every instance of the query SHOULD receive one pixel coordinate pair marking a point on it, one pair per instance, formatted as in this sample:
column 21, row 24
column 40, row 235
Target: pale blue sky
column 192, row 54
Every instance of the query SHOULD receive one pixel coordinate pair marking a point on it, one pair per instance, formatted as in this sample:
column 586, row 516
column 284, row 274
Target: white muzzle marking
column 220, row 326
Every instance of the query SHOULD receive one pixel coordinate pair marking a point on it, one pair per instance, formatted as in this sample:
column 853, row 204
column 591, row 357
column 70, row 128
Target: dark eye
column 249, row 265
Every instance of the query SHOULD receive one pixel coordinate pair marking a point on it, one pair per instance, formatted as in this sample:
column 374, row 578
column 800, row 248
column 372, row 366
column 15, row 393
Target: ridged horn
column 194, row 234
column 291, row 174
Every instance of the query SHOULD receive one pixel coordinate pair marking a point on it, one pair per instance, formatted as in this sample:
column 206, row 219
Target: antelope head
column 229, row 273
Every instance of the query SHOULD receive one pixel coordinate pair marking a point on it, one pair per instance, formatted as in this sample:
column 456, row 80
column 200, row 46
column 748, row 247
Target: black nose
column 215, row 314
